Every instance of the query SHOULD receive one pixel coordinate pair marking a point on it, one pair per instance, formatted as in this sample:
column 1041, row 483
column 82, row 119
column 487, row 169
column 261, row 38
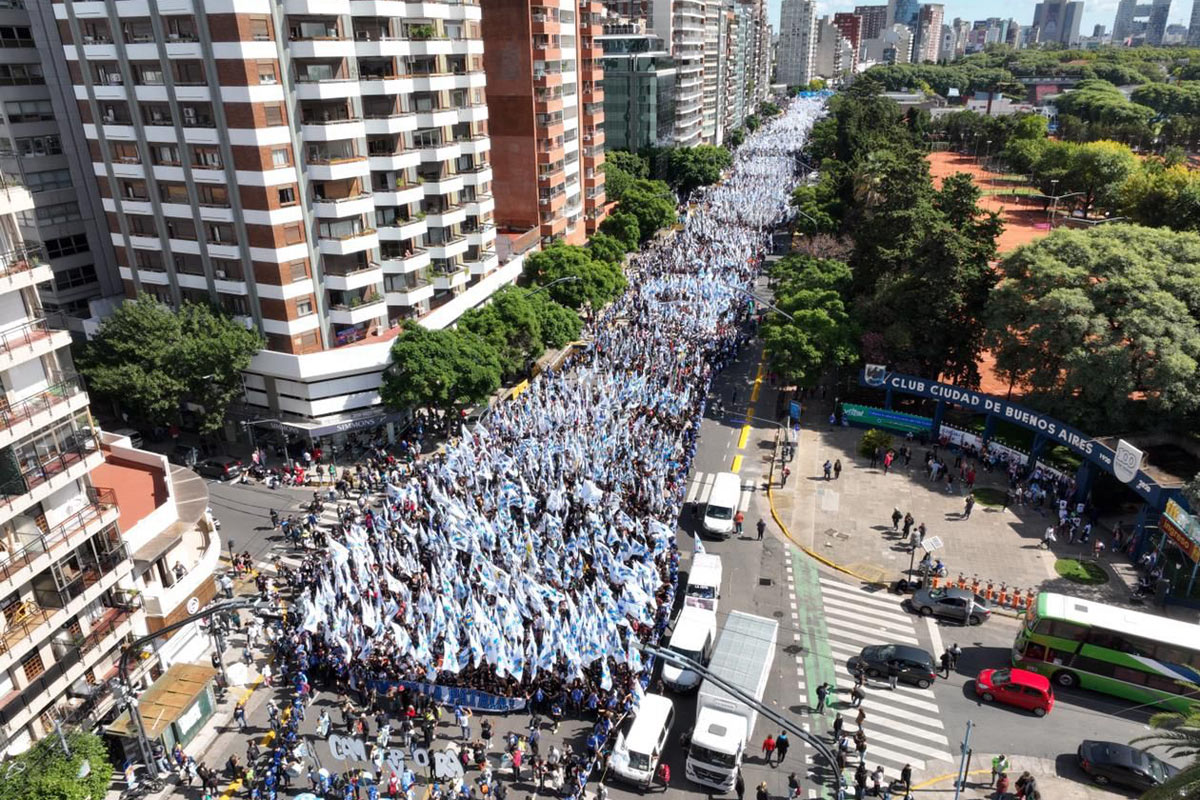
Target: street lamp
column 816, row 225
column 567, row 279
column 1056, row 198
column 755, row 297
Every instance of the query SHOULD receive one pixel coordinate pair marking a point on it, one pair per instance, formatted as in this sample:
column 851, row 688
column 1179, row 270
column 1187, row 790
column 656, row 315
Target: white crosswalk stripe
column 902, row 725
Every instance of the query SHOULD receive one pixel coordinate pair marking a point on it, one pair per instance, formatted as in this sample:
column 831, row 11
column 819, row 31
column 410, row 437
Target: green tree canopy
column 47, row 773
column 1161, row 196
column 821, row 335
column 597, row 282
column 150, row 359
column 510, row 324
column 559, row 324
column 633, row 164
column 651, row 204
column 439, row 370
column 1100, row 325
column 622, row 226
column 616, row 181
column 689, row 168
column 606, row 248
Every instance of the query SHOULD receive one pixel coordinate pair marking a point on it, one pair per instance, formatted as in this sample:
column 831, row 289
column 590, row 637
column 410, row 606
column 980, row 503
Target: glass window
column 260, row 29
column 299, row 271
column 287, row 195
column 47, row 180
column 29, row 111
column 266, row 72
column 49, row 145
column 304, row 307
column 66, row 246
column 281, row 157
column 273, row 114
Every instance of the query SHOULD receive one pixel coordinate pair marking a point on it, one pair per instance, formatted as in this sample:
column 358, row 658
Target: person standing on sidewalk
column 785, row 472
column 762, row 527
column 999, row 767
column 857, row 695
column 946, row 663
column 739, row 787
column 968, row 505
column 738, row 519
column 896, row 517
column 827, row 467
column 837, row 469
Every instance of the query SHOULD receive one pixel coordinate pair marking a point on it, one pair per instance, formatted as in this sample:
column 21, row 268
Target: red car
column 1016, row 687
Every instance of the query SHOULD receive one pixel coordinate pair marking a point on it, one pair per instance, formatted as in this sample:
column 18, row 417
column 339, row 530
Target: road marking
column 906, row 743
column 744, row 436
column 758, row 376
column 895, row 616
column 903, row 699
column 737, row 464
column 875, row 753
column 836, row 620
column 935, row 637
column 912, row 730
column 858, row 595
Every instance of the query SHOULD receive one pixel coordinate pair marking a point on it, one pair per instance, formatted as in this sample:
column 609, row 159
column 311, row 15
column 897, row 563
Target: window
column 180, row 28
column 293, row 234
column 235, row 304
column 308, row 339
column 299, row 271
column 281, row 157
column 266, row 72
column 189, row 73
column 228, row 269
column 29, row 111
column 287, row 195
column 165, row 154
column 21, row 74
column 47, row 180
column 219, row 233
column 142, row 225
column 173, row 192
column 304, row 307
column 66, row 246
column 48, row 145
column 213, row 194
column 279, row 342
column 149, row 74
column 125, row 152
column 76, row 276
column 273, row 114
column 50, row 215
column 32, row 665
column 181, row 229
column 203, row 156
column 260, row 29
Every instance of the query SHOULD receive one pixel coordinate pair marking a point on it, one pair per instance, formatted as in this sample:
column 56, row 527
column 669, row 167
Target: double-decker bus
column 1141, row 657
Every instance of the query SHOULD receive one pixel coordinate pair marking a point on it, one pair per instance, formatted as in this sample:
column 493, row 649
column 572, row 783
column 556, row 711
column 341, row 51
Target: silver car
column 957, row 604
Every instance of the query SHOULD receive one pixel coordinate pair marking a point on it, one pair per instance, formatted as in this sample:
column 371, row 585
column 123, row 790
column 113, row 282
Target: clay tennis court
column 1024, row 219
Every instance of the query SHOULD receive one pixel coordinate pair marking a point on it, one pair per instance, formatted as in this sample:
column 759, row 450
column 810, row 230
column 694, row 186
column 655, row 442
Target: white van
column 704, row 582
column 640, row 741
column 694, row 636
column 722, row 504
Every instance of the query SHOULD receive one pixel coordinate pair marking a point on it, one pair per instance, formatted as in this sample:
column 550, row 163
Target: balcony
column 341, row 207
column 333, row 130
column 22, row 268
column 336, row 168
column 32, row 339
column 32, row 413
column 326, row 88
column 482, row 235
column 446, row 216
column 448, row 281
column 480, row 204
column 351, row 277
column 370, row 306
column 349, row 243
column 485, row 264
column 38, row 550
column 449, row 248
column 411, row 261
column 411, row 295
column 391, row 123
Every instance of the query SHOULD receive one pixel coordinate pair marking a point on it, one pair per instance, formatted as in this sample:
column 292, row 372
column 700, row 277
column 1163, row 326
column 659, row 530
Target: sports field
column 1024, row 217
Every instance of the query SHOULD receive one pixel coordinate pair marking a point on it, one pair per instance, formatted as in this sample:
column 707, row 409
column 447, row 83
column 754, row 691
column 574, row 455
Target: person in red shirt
column 664, row 775
column 769, row 747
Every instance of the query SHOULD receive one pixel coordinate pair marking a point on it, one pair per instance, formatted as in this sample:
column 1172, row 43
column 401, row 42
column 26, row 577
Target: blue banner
column 455, row 696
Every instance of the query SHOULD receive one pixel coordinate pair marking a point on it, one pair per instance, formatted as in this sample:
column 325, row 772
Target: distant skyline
column 1095, row 12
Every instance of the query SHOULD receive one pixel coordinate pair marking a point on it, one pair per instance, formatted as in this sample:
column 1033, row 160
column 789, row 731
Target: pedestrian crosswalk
column 902, row 725
column 701, row 484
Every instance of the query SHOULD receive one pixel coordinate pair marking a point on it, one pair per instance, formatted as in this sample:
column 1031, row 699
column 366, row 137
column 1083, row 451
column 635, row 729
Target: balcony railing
column 99, row 502
column 358, row 302
column 352, row 269
column 31, row 332
column 90, row 574
column 22, row 410
column 47, row 466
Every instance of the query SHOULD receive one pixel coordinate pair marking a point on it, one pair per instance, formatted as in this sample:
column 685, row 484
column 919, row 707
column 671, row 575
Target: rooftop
column 139, row 488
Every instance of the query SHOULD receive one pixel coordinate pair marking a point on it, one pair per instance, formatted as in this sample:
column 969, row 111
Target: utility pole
column 964, row 763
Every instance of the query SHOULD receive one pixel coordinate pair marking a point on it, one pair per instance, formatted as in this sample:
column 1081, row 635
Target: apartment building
column 797, row 42
column 681, row 24
column 65, row 572
column 546, row 93
column 715, row 96
column 639, row 90
column 850, row 26
column 874, row 20
column 928, row 38
column 320, row 170
column 41, row 143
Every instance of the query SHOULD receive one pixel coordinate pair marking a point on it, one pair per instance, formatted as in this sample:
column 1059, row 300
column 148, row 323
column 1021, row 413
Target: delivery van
column 722, row 504
column 640, row 741
column 694, row 636
column 704, row 582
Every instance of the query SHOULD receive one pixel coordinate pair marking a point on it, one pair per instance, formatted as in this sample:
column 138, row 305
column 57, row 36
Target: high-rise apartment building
column 546, row 103
column 850, row 26
column 874, row 20
column 929, row 32
column 797, row 42
column 717, row 17
column 66, row 572
column 835, row 56
column 43, row 145
column 318, row 170
column 1058, row 21
column 1141, row 21
column 1193, row 34
column 903, row 12
column 639, row 91
column 683, row 23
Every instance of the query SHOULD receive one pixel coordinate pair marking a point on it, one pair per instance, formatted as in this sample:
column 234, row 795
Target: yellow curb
column 812, row 554
column 737, row 464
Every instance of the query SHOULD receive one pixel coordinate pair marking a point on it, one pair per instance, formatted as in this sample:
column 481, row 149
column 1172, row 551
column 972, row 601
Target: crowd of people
column 531, row 557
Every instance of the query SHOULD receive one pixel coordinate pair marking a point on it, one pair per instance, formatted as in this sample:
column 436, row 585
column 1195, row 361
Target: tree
column 49, row 774
column 735, row 137
column 616, row 181
column 769, row 109
column 606, row 248
column 1191, row 493
column 559, row 324
column 622, row 226
column 816, row 84
column 1102, row 327
column 820, row 334
column 1161, row 196
column 633, row 164
column 150, row 359
column 597, row 282
column 1097, row 170
column 689, row 168
column 1179, row 734
column 651, row 204
column 510, row 324
column 439, row 370
column 752, row 123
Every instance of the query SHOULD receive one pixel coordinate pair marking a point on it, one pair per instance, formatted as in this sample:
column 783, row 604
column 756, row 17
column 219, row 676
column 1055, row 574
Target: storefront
column 1177, row 551
column 174, row 709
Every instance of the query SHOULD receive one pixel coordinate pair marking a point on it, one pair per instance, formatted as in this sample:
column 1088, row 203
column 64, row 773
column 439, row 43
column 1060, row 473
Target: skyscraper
column 851, row 27
column 903, row 12
column 929, row 32
column 320, row 171
column 1193, row 37
column 681, row 25
column 797, row 42
column 874, row 20
column 1058, row 21
column 553, row 178
column 1141, row 19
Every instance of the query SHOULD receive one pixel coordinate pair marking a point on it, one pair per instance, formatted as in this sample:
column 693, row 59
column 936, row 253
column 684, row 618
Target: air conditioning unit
column 220, row 273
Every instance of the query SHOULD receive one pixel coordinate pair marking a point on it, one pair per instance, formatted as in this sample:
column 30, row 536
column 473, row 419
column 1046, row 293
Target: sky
column 1095, row 12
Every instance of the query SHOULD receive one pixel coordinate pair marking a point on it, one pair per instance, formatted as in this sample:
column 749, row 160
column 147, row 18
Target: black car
column 222, row 468
column 915, row 665
column 1109, row 762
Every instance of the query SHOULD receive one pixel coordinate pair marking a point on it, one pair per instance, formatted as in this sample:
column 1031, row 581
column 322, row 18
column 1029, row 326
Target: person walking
column 857, row 695
column 955, row 652
column 761, row 793
column 838, row 723
column 781, row 745
column 239, row 714
column 888, row 458
column 739, row 786
column 877, row 780
column 860, row 782
column 1002, row 787
column 827, row 468
column 738, row 519
column 837, row 469
column 896, row 517
column 999, row 767
column 784, row 473
column 664, row 775
column 968, row 505
column 762, row 527
column 945, row 660
column 893, row 673
column 875, row 454
column 768, row 748
column 822, row 697
column 861, row 717
column 906, row 779
column 860, row 745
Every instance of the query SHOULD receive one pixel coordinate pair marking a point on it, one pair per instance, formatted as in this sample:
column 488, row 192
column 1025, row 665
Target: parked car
column 222, row 468
column 951, row 602
column 1016, row 687
column 1109, row 762
column 915, row 664
column 184, row 455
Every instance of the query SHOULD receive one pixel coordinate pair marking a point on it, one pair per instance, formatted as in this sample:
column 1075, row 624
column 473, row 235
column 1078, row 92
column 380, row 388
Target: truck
column 724, row 725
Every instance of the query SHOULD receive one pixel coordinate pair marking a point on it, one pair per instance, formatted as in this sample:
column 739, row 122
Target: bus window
column 1035, row 651
column 1060, row 629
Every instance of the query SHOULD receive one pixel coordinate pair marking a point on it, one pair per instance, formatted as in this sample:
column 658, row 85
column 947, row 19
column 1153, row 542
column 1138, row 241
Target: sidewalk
column 848, row 522
column 1057, row 779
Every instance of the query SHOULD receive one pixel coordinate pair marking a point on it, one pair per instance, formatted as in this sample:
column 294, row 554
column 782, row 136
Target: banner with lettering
column 456, row 696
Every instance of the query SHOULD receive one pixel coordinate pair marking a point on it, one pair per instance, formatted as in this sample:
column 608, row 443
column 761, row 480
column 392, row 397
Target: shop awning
column 164, row 702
